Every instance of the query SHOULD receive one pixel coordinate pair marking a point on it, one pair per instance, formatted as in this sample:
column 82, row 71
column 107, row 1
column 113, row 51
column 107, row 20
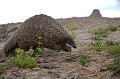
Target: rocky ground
column 65, row 65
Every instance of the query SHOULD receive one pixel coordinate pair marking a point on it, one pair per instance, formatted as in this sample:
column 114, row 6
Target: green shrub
column 2, row 54
column 23, row 59
column 112, row 43
column 103, row 32
column 112, row 28
column 118, row 27
column 72, row 27
column 83, row 59
column 114, row 47
column 97, row 46
column 73, row 34
column 100, row 31
column 1, row 77
column 114, row 50
column 96, row 37
column 39, row 48
column 116, row 65
column 3, row 68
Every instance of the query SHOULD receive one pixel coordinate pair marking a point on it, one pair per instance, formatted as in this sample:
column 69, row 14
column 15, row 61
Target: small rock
column 50, row 65
column 2, row 59
column 72, row 58
column 47, row 60
column 21, row 78
column 39, row 60
column 10, row 76
column 103, row 69
column 46, row 77
column 63, row 76
column 35, row 69
column 76, row 76
column 54, row 73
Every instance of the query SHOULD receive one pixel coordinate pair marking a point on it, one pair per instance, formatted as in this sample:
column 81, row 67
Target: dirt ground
column 65, row 65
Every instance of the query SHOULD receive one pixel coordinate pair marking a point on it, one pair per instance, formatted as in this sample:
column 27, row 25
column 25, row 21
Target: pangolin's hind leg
column 12, row 50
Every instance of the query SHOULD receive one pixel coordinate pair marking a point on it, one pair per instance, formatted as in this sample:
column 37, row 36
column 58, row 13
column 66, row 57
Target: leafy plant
column 96, row 37
column 112, row 43
column 112, row 28
column 3, row 68
column 23, row 59
column 73, row 34
column 116, row 65
column 72, row 27
column 114, row 50
column 103, row 32
column 2, row 54
column 100, row 31
column 118, row 27
column 1, row 77
column 114, row 47
column 97, row 46
column 39, row 48
column 83, row 59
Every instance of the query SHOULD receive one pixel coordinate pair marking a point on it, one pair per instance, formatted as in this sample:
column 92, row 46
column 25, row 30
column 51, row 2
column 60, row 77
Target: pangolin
column 53, row 35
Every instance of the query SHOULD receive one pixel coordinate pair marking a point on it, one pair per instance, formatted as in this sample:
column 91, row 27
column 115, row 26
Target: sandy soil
column 65, row 65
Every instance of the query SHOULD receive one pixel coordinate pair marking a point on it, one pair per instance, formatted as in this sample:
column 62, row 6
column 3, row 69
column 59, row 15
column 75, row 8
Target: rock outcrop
column 96, row 14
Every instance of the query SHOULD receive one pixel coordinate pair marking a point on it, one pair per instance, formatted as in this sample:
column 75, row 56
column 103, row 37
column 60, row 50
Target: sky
column 20, row 10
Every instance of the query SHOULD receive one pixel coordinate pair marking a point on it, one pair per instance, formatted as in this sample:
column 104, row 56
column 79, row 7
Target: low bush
column 115, row 66
column 1, row 77
column 73, row 34
column 113, row 47
column 83, row 59
column 112, row 43
column 23, row 59
column 112, row 28
column 3, row 68
column 97, row 37
column 114, row 50
column 72, row 27
column 97, row 46
column 100, row 31
column 39, row 50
